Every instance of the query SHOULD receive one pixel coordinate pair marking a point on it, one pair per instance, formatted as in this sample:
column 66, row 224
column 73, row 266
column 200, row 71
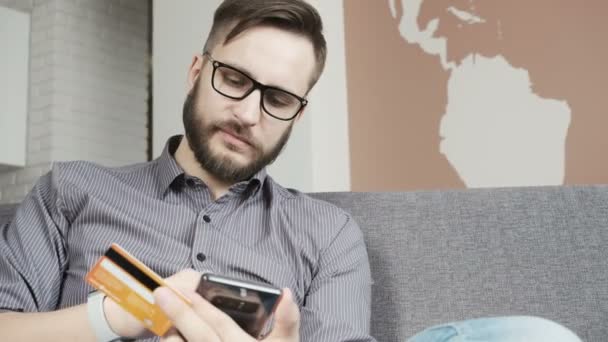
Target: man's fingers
column 172, row 336
column 185, row 281
column 223, row 325
column 286, row 318
column 184, row 318
column 201, row 321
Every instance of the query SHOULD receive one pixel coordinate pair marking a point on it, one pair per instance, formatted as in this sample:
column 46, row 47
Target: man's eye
column 280, row 100
column 277, row 101
column 236, row 81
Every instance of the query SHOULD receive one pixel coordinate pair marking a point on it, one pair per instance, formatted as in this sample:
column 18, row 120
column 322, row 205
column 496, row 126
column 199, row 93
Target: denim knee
column 498, row 329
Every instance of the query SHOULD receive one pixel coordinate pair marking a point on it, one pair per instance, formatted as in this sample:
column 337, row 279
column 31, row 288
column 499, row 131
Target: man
column 205, row 205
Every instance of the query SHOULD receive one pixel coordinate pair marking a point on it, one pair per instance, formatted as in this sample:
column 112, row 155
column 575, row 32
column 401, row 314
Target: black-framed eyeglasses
column 236, row 85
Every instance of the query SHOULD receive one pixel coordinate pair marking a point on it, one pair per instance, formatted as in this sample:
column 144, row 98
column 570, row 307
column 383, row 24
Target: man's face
column 234, row 139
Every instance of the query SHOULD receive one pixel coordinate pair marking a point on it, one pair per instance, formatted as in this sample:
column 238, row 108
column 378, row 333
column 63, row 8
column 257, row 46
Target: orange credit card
column 130, row 283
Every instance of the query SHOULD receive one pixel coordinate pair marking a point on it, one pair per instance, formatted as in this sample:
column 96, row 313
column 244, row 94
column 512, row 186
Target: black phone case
column 249, row 304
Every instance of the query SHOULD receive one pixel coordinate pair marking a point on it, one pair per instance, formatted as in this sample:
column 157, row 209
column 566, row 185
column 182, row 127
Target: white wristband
column 97, row 318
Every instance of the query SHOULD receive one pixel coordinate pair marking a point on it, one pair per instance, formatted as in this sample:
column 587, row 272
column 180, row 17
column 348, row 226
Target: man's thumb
column 286, row 318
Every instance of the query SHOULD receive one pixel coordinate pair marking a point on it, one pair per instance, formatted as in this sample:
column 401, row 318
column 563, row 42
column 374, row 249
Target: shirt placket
column 208, row 239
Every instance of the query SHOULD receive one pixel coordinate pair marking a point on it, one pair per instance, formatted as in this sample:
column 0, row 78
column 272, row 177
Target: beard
column 221, row 166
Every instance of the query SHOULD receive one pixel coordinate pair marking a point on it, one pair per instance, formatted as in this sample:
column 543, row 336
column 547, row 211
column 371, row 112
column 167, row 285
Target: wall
column 88, row 93
column 476, row 94
column 14, row 67
column 88, row 86
column 316, row 157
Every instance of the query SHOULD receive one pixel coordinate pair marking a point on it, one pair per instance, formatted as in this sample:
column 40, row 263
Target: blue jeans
column 499, row 329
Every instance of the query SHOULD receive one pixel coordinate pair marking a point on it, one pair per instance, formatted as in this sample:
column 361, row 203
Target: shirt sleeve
column 337, row 306
column 32, row 251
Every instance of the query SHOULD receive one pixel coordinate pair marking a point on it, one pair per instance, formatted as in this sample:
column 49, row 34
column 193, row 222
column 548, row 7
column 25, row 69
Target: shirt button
column 206, row 218
column 201, row 257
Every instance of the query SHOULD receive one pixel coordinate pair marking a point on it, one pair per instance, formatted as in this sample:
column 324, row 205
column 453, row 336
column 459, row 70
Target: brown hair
column 295, row 16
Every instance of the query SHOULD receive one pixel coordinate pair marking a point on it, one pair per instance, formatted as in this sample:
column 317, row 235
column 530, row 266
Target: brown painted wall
column 397, row 93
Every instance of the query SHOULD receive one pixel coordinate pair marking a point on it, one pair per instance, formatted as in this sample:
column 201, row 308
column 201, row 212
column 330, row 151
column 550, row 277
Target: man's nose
column 249, row 109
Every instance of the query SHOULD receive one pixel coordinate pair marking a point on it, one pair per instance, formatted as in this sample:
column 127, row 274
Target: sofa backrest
column 442, row 256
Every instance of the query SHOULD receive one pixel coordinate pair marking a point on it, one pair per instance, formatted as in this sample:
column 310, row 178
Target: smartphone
column 251, row 305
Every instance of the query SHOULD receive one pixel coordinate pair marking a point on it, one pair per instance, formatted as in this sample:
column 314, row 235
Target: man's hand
column 122, row 322
column 204, row 322
column 126, row 325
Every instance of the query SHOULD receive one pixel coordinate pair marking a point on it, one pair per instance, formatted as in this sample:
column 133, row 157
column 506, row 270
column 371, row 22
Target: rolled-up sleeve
column 337, row 305
column 32, row 251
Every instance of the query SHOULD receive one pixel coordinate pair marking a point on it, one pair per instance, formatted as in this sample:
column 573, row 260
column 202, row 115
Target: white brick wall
column 88, row 86
column 20, row 5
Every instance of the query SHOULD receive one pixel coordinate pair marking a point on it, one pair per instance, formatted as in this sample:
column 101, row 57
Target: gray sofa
column 440, row 256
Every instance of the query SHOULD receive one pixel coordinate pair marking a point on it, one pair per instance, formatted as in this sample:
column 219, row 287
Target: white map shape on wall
column 496, row 131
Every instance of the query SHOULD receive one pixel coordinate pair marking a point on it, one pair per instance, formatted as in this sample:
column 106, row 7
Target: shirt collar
column 169, row 171
column 251, row 186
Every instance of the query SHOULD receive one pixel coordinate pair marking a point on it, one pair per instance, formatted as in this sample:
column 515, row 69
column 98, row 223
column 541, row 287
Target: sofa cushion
column 442, row 256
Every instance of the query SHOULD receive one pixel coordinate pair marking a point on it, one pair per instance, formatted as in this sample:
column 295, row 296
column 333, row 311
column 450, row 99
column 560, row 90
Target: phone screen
column 249, row 304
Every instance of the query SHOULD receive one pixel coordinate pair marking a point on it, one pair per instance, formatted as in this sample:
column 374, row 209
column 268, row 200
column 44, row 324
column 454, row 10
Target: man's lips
column 237, row 137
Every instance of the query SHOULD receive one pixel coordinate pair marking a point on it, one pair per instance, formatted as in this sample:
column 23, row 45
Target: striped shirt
column 258, row 231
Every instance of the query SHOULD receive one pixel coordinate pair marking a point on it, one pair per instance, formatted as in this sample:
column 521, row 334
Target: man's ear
column 194, row 71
